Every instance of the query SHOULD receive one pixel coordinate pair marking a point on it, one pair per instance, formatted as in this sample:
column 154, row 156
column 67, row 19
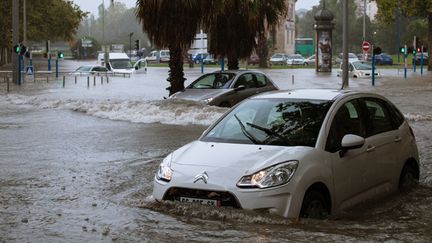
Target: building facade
column 284, row 33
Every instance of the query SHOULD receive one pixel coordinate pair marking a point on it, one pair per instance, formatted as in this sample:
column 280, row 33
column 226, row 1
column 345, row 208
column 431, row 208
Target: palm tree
column 173, row 25
column 235, row 25
column 267, row 14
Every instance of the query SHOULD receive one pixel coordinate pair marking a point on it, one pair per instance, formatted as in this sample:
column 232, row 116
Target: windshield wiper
column 266, row 130
column 245, row 132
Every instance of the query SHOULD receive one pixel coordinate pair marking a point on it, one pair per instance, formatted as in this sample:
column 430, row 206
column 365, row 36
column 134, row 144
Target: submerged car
column 299, row 153
column 296, row 59
column 226, row 88
column 278, row 59
column 359, row 69
column 91, row 70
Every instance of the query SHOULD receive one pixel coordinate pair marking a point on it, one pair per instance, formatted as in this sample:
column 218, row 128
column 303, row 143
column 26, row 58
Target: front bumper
column 282, row 200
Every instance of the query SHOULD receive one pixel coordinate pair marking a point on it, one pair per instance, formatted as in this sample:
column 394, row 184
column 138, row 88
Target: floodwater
column 77, row 165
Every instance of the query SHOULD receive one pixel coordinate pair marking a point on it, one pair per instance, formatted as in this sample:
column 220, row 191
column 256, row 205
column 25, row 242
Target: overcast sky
column 91, row 5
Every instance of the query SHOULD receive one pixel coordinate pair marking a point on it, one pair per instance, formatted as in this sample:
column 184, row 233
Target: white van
column 119, row 62
column 158, row 56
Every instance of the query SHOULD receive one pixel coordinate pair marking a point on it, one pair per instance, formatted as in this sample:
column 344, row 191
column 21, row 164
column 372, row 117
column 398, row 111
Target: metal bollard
column 88, row 81
column 64, row 81
column 94, row 80
column 47, row 79
column 75, row 79
column 292, row 79
column 107, row 79
column 101, row 79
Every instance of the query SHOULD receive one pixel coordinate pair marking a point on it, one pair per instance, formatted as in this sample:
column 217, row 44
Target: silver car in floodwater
column 301, row 153
column 226, row 88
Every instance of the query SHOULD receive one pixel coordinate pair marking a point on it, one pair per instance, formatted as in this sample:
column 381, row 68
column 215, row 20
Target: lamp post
column 130, row 44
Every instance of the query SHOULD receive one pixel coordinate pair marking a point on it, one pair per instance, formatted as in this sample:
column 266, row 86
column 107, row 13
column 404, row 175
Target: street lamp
column 130, row 44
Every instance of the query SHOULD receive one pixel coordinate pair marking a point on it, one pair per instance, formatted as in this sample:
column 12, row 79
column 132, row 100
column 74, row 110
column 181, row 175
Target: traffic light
column 414, row 51
column 137, row 44
column 23, row 51
column 60, row 55
column 17, row 48
column 402, row 50
column 418, row 49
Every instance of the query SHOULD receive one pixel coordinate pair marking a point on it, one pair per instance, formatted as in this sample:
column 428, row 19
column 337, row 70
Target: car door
column 350, row 171
column 246, row 80
column 382, row 143
column 140, row 66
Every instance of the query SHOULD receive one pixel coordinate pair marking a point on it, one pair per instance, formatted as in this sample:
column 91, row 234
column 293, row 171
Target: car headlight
column 164, row 172
column 272, row 176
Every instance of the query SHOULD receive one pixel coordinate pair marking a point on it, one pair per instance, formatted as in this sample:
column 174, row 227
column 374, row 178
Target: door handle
column 397, row 139
column 370, row 148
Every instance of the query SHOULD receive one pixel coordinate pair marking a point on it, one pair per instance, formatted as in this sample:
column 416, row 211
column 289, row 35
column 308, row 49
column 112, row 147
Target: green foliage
column 46, row 19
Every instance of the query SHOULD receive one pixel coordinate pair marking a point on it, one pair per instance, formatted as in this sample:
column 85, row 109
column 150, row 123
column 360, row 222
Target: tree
column 173, row 25
column 419, row 8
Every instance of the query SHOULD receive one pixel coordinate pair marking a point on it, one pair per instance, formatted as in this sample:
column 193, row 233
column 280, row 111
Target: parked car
column 382, row 59
column 425, row 58
column 253, row 60
column 209, row 60
column 359, row 69
column 199, row 57
column 297, row 153
column 310, row 61
column 295, row 59
column 90, row 70
column 351, row 58
column 278, row 59
column 158, row 56
column 226, row 88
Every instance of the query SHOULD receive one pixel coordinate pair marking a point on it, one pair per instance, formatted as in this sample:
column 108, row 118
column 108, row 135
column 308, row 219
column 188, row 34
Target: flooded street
column 77, row 165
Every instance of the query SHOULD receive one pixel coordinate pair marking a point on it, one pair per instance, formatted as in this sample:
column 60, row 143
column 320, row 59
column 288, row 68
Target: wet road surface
column 77, row 164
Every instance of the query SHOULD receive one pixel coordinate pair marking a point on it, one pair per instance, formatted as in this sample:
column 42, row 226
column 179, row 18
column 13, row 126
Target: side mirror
column 240, row 87
column 351, row 141
column 136, row 67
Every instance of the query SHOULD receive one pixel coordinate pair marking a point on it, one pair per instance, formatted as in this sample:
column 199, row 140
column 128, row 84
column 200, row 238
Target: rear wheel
column 408, row 179
column 315, row 206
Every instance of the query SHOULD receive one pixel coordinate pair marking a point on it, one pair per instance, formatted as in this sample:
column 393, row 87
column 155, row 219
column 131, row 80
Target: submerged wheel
column 408, row 179
column 315, row 206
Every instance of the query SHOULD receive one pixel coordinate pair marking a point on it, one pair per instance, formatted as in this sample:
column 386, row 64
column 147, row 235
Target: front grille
column 226, row 199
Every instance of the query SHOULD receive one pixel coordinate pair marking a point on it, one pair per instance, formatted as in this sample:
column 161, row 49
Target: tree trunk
column 262, row 50
column 233, row 62
column 175, row 73
column 429, row 45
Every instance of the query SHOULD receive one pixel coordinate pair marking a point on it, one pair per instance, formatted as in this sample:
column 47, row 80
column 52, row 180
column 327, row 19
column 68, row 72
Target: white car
column 351, row 58
column 359, row 69
column 296, row 59
column 298, row 153
column 278, row 59
column 310, row 61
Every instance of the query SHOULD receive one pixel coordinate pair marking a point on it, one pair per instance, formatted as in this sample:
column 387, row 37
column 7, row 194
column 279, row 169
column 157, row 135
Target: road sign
column 365, row 46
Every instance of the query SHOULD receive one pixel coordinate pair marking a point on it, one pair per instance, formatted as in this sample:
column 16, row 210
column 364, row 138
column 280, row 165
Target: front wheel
column 408, row 179
column 315, row 206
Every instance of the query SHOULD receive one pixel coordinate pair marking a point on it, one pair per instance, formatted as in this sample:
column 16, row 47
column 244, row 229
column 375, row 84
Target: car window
column 378, row 117
column 396, row 116
column 84, row 69
column 280, row 122
column 261, row 80
column 247, row 80
column 348, row 120
column 212, row 81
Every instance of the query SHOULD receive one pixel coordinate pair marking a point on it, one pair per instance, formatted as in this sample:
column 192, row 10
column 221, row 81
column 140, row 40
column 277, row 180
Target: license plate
column 199, row 201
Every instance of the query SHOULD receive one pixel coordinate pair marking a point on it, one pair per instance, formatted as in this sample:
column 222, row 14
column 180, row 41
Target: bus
column 304, row 46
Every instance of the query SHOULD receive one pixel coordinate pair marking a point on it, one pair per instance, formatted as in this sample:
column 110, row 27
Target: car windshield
column 84, row 69
column 362, row 65
column 120, row 64
column 212, row 81
column 281, row 122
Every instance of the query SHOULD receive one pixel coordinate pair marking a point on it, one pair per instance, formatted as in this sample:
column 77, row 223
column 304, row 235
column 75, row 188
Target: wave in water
column 170, row 111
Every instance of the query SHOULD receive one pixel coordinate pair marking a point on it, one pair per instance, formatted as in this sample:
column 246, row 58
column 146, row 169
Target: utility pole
column 364, row 20
column 345, row 78
column 25, row 23
column 15, row 38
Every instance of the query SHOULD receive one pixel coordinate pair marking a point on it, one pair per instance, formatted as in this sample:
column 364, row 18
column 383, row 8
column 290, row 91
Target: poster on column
column 324, row 51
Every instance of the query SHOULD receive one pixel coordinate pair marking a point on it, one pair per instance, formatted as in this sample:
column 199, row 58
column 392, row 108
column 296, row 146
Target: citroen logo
column 203, row 176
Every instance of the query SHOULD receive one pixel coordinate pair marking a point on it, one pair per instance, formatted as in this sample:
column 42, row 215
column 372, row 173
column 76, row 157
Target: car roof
column 306, row 94
column 239, row 71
